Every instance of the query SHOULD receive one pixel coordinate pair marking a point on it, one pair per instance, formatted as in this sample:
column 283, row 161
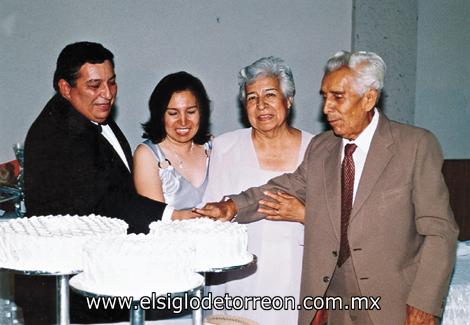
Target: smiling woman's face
column 265, row 104
column 182, row 117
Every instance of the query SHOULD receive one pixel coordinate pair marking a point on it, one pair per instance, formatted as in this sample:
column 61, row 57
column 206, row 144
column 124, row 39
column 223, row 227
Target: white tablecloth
column 8, row 308
column 457, row 310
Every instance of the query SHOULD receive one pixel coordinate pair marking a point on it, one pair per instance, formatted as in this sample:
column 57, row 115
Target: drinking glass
column 18, row 149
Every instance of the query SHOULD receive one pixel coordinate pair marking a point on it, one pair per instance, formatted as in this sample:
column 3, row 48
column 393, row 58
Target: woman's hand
column 282, row 207
column 183, row 214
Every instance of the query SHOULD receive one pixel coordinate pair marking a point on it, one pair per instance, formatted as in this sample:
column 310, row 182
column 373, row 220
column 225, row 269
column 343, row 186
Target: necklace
column 178, row 157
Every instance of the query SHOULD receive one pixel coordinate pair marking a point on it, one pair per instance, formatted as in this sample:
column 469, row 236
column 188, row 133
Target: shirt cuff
column 167, row 213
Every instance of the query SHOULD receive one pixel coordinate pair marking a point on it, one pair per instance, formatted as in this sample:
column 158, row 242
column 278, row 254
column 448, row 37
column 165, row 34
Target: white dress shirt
column 363, row 144
column 109, row 135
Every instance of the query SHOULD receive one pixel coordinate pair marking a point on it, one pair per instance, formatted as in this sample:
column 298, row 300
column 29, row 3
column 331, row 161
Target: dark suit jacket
column 402, row 232
column 70, row 168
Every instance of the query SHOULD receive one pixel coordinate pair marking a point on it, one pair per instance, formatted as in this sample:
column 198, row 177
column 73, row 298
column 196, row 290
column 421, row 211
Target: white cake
column 216, row 244
column 52, row 243
column 136, row 265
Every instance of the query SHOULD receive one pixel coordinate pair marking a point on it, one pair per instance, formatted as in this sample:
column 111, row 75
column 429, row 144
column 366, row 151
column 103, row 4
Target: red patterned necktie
column 347, row 188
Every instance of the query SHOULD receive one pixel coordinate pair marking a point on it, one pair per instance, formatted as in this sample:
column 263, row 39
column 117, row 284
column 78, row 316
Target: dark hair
column 74, row 55
column 154, row 128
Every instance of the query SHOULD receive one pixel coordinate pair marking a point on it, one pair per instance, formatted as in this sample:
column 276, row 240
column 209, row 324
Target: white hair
column 368, row 66
column 267, row 67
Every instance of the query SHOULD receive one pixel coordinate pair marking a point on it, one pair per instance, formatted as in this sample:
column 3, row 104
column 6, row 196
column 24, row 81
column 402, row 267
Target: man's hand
column 285, row 207
column 183, row 214
column 224, row 210
column 415, row 316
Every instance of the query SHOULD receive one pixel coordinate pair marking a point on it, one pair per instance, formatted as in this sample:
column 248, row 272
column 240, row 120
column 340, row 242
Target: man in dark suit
column 378, row 221
column 77, row 160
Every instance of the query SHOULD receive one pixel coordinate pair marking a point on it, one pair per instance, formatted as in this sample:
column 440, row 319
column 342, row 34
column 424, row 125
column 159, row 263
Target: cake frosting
column 136, row 266
column 215, row 244
column 53, row 243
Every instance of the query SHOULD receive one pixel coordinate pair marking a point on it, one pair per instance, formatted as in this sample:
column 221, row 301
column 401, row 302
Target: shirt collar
column 364, row 139
column 101, row 126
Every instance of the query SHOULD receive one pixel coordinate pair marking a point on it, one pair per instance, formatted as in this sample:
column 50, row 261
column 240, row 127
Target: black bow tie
column 98, row 126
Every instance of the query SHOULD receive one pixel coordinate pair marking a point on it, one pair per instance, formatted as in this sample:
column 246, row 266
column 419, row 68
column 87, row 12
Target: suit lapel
column 332, row 183
column 61, row 110
column 377, row 159
column 122, row 141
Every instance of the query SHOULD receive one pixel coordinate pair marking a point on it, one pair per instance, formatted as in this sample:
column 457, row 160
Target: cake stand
column 62, row 290
column 137, row 314
column 198, row 314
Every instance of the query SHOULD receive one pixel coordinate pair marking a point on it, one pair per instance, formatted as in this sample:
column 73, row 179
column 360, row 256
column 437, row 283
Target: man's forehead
column 102, row 70
column 338, row 78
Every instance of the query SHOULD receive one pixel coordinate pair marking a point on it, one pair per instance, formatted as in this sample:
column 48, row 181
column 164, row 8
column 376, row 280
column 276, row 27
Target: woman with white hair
column 250, row 157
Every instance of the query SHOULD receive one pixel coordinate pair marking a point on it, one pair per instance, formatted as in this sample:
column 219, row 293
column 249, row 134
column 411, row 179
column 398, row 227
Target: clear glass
column 18, row 149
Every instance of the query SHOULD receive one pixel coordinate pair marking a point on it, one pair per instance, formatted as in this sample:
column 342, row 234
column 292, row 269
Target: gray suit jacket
column 402, row 232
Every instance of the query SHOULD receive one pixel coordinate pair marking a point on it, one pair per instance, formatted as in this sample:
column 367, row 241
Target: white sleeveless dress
column 177, row 190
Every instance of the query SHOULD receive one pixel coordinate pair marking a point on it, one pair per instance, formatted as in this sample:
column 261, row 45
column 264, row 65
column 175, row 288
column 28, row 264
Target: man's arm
column 67, row 175
column 45, row 171
column 435, row 221
column 294, row 184
column 246, row 204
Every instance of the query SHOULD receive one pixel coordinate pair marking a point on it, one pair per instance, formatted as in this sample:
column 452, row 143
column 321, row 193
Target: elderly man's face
column 347, row 111
column 94, row 92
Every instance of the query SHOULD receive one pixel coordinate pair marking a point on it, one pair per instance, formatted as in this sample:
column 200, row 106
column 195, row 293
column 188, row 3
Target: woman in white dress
column 250, row 157
column 171, row 165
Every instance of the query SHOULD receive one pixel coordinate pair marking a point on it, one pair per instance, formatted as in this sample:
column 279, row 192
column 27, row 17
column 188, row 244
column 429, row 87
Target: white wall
column 210, row 39
column 426, row 46
column 389, row 28
column 443, row 74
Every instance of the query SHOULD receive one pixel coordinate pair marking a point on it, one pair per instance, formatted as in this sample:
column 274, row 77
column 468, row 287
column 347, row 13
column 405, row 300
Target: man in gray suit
column 378, row 223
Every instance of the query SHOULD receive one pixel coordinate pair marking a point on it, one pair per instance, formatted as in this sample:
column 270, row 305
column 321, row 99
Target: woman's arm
column 146, row 176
